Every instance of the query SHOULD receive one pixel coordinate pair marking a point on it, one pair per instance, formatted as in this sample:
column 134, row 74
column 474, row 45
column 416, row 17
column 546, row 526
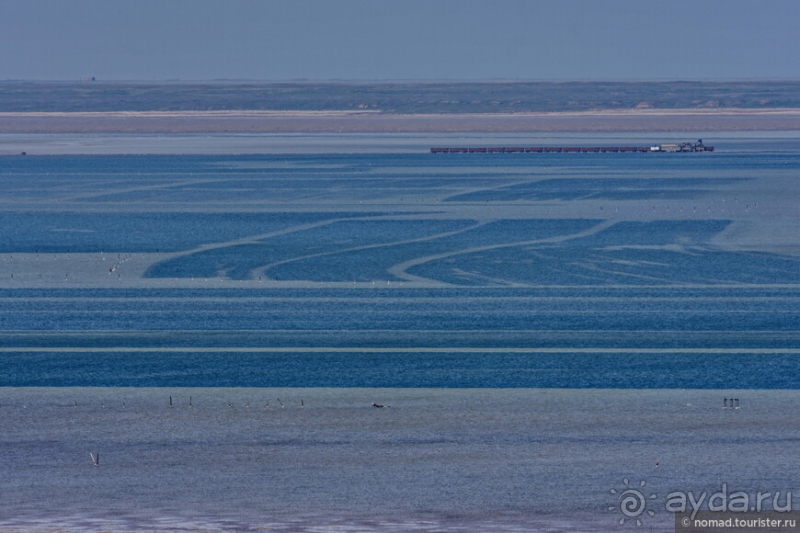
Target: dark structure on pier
column 682, row 147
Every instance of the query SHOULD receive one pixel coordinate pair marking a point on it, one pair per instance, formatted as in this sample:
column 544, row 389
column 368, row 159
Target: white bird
column 95, row 459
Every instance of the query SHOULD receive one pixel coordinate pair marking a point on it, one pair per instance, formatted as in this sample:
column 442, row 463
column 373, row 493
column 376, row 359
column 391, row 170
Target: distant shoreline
column 257, row 121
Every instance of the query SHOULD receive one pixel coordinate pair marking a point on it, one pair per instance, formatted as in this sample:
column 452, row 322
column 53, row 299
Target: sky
column 276, row 40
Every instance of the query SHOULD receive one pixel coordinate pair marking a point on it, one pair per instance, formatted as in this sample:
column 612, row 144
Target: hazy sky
column 399, row 39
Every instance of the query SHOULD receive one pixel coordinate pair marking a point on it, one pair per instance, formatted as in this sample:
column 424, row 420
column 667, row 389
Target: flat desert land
column 675, row 120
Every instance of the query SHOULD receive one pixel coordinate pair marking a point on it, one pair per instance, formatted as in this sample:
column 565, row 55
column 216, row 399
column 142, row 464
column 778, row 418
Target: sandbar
column 244, row 121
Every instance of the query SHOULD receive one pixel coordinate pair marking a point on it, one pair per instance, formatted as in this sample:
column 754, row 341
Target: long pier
column 540, row 149
column 682, row 147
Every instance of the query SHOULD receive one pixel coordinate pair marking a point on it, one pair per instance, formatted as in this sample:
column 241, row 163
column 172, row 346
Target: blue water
column 567, row 270
column 544, row 329
column 403, row 370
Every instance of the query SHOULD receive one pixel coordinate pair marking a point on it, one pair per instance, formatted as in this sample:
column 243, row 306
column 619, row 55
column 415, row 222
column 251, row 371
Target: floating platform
column 682, row 147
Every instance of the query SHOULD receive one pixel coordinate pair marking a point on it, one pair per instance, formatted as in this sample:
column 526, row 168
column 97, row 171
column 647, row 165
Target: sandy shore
column 371, row 122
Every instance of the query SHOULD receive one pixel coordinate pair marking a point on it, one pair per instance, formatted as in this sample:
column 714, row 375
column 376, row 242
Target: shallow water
column 461, row 460
column 403, row 269
column 544, row 327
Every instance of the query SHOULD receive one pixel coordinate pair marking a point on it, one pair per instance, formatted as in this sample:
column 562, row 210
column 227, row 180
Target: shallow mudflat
column 403, row 269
